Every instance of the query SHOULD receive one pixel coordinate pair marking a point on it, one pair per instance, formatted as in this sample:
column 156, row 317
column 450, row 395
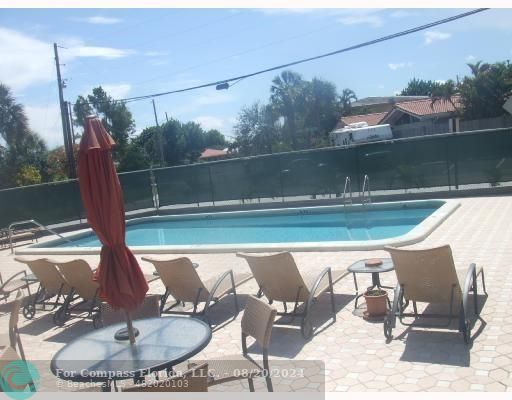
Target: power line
column 314, row 58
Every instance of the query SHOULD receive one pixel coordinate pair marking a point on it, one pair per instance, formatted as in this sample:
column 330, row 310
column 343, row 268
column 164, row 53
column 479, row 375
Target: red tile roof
column 210, row 153
column 370, row 119
column 425, row 107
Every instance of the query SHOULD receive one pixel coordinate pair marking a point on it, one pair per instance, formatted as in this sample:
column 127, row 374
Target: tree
column 28, row 175
column 286, row 100
column 134, row 158
column 23, row 148
column 345, row 101
column 420, row 87
column 56, row 163
column 214, row 139
column 484, row 93
column 446, row 92
column 255, row 130
column 115, row 115
column 321, row 111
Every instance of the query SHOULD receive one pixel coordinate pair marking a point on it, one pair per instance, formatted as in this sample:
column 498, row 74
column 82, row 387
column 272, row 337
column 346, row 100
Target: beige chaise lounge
column 279, row 279
column 430, row 276
column 182, row 281
column 52, row 290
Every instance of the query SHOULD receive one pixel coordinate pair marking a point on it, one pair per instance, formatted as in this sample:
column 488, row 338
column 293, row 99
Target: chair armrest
column 468, row 283
column 219, row 281
column 325, row 272
column 12, row 277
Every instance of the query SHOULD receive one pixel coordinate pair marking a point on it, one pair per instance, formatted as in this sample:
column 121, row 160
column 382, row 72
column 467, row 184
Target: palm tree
column 477, row 69
column 285, row 94
column 446, row 92
column 345, row 101
column 14, row 127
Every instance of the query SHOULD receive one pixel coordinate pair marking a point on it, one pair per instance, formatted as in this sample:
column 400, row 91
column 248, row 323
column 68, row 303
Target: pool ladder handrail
column 347, row 189
column 366, row 189
column 34, row 222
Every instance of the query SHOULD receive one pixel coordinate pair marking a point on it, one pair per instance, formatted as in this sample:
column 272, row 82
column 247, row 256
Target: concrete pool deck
column 355, row 353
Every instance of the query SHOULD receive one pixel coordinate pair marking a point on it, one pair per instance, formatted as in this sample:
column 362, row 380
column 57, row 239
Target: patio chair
column 192, row 380
column 280, row 280
column 79, row 276
column 52, row 289
column 430, row 276
column 148, row 309
column 182, row 281
column 8, row 357
column 12, row 338
column 13, row 284
column 257, row 322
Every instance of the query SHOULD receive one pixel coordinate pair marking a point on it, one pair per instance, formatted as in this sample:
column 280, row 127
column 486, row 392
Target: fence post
column 281, row 177
column 447, row 155
column 211, row 184
column 154, row 189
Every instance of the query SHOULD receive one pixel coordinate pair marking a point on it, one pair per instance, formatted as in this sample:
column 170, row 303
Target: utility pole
column 160, row 138
column 71, row 123
column 68, row 146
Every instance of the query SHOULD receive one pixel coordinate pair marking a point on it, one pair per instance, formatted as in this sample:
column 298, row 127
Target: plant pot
column 376, row 303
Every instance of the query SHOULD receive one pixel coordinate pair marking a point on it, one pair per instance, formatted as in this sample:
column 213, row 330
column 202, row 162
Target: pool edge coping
column 417, row 234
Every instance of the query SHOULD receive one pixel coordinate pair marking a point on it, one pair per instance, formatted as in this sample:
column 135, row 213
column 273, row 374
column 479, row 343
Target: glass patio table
column 161, row 344
column 360, row 267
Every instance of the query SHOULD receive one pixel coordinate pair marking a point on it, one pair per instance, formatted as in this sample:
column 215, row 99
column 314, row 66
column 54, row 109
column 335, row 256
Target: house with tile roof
column 444, row 114
column 213, row 154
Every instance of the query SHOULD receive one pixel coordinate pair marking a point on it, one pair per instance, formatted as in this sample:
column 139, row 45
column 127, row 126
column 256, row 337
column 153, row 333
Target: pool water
column 313, row 224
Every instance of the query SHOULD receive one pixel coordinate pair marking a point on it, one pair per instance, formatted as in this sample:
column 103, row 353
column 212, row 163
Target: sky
column 138, row 52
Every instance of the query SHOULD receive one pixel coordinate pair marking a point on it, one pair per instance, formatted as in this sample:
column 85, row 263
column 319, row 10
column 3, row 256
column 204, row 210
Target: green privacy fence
column 450, row 160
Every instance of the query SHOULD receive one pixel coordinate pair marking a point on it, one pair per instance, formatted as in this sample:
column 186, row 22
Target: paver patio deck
column 355, row 352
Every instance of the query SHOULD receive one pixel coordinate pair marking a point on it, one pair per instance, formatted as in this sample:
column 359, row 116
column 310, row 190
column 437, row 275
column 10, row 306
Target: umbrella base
column 122, row 334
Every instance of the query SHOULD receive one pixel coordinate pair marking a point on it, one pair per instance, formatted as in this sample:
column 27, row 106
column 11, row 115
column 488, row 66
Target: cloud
column 435, row 36
column 30, row 60
column 395, row 66
column 210, row 122
column 117, row 90
column 46, row 121
column 96, row 51
column 99, row 20
column 402, row 14
column 372, row 20
column 26, row 60
column 470, row 58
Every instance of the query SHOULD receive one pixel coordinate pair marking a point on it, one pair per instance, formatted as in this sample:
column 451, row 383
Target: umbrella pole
column 129, row 325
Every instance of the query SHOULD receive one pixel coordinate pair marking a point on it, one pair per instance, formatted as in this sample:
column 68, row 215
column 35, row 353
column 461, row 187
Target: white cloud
column 96, row 51
column 28, row 61
column 99, row 20
column 470, row 58
column 46, row 121
column 25, row 61
column 210, row 122
column 373, row 20
column 395, row 66
column 402, row 14
column 435, row 36
column 117, row 91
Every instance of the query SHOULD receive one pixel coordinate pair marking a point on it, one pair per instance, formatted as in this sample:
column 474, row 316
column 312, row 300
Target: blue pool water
column 314, row 224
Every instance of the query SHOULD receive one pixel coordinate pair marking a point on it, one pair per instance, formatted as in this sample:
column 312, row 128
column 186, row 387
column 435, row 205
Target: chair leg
column 270, row 388
column 483, row 282
column 251, row 384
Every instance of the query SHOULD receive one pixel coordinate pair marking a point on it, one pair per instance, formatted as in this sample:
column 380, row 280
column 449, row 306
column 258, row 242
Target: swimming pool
column 369, row 226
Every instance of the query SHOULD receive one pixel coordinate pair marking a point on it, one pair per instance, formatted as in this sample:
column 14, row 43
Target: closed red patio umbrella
column 122, row 283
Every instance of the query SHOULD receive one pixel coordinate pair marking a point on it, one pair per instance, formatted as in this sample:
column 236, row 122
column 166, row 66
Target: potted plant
column 376, row 302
